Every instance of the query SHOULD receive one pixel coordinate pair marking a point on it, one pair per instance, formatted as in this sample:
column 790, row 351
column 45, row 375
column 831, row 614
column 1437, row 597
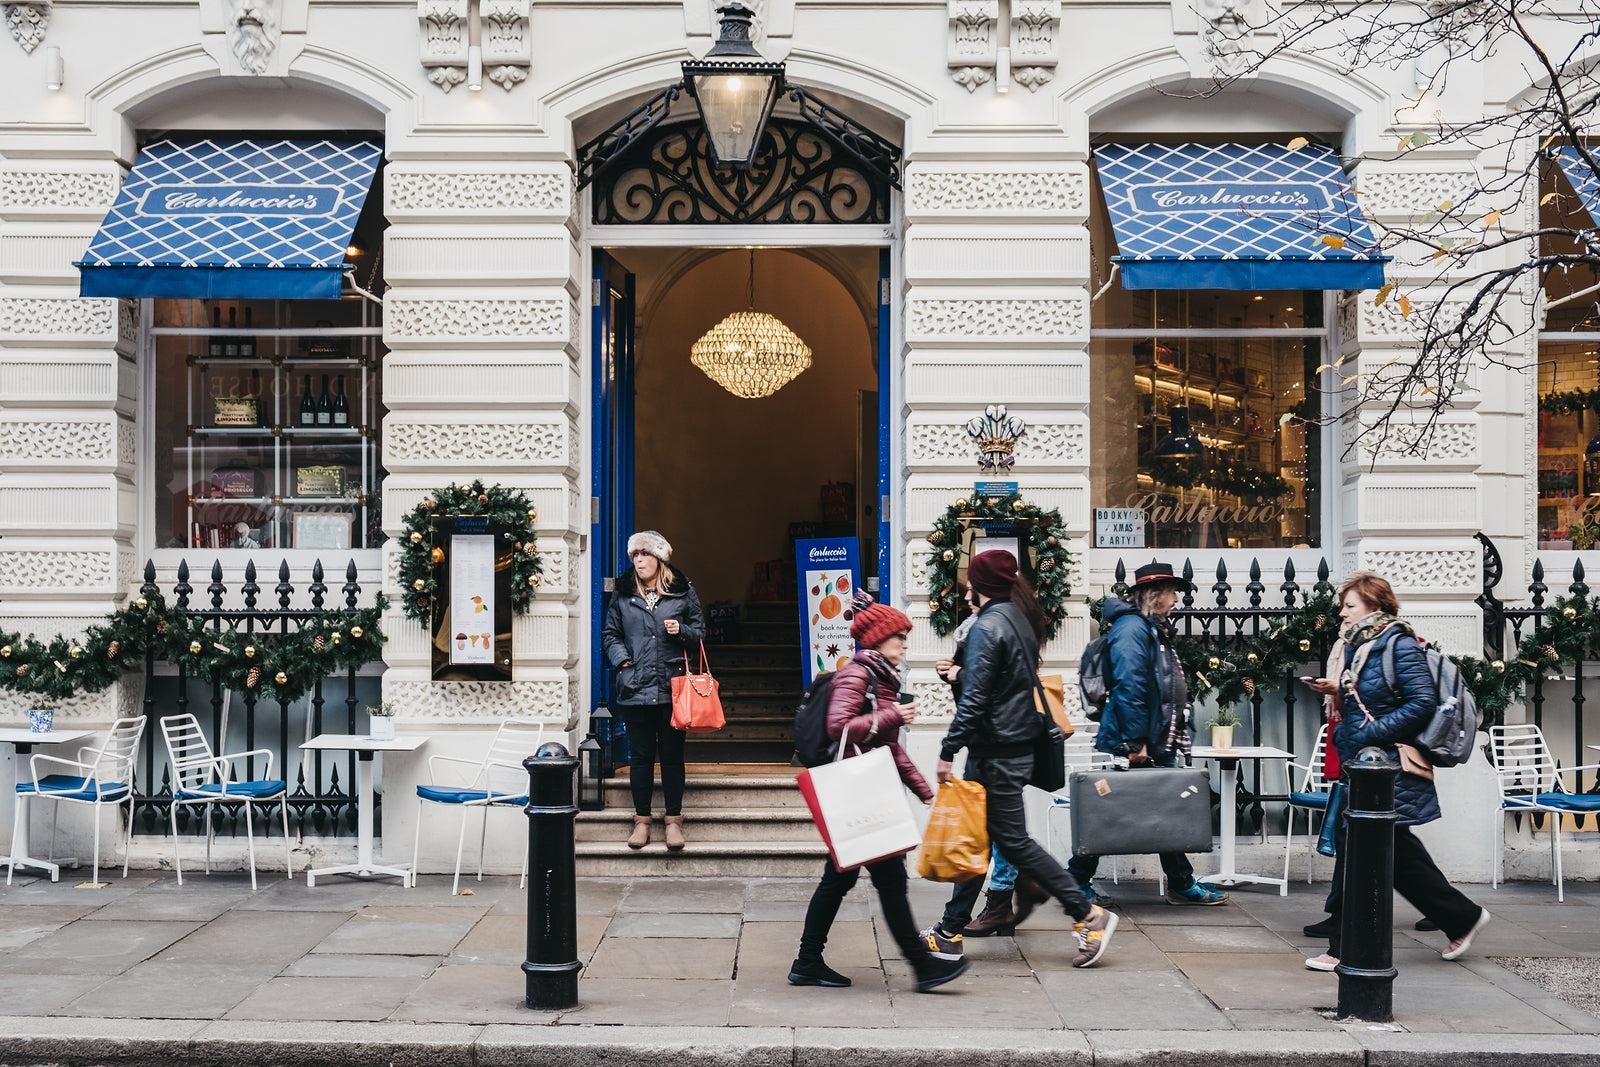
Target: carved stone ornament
column 253, row 28
column 1226, row 29
column 27, row 22
column 1035, row 28
column 507, row 44
column 444, row 40
column 973, row 42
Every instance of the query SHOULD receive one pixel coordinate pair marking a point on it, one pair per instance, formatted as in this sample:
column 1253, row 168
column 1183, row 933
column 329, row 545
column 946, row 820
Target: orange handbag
column 696, row 704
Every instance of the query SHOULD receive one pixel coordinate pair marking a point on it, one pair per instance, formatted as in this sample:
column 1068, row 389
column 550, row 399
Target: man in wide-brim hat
column 1147, row 717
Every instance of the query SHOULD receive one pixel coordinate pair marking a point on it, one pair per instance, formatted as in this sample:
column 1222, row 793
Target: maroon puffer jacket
column 853, row 721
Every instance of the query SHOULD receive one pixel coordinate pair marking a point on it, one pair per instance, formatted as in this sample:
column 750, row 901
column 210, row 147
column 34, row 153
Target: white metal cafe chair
column 201, row 778
column 100, row 777
column 1529, row 781
column 1311, row 797
column 499, row 782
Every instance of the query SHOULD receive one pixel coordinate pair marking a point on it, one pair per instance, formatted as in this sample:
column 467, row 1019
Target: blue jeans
column 1002, row 872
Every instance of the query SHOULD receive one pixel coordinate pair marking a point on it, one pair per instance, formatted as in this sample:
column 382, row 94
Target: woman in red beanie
column 997, row 723
column 864, row 713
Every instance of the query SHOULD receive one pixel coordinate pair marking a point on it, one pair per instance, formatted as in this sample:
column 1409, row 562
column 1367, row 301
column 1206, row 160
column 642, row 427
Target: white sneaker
column 1458, row 947
column 1323, row 962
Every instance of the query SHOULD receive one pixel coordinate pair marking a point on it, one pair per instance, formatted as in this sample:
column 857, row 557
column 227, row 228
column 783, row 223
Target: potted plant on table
column 1222, row 728
column 380, row 721
column 41, row 717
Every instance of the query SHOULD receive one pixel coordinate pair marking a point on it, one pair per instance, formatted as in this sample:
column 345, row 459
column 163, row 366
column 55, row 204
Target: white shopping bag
column 860, row 808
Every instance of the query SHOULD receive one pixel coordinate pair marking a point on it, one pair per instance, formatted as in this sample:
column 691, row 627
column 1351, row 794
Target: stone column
column 481, row 381
column 997, row 312
column 68, row 431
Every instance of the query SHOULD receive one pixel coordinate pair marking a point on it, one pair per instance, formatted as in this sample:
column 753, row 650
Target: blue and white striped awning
column 1235, row 216
column 232, row 219
column 1583, row 179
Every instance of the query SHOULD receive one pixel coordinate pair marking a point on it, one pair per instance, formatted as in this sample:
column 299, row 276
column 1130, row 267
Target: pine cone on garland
column 113, row 649
column 1250, row 686
column 317, row 642
column 252, row 678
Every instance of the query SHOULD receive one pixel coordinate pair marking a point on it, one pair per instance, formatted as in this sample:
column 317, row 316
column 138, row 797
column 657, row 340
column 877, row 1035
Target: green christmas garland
column 1569, row 631
column 1052, row 567
column 1571, row 401
column 272, row 666
column 419, row 556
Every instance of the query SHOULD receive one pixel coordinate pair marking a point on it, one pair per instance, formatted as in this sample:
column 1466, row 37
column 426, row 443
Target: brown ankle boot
column 641, row 832
column 996, row 917
column 674, row 832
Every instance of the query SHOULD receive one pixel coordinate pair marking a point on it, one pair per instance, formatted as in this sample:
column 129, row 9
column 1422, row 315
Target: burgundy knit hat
column 875, row 623
column 993, row 573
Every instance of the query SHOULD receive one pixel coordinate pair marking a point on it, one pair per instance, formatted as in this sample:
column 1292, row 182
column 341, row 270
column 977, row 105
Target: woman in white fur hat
column 653, row 622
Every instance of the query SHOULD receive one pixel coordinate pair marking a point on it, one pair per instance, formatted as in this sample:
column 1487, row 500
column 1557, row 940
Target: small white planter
column 380, row 727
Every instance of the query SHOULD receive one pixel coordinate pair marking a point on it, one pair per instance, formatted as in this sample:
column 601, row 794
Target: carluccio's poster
column 829, row 572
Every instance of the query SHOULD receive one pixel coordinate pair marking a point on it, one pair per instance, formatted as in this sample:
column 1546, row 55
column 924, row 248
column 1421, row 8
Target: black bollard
column 1366, row 933
column 552, row 965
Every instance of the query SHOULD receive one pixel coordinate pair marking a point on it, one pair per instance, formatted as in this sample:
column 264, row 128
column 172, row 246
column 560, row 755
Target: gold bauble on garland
column 281, row 678
column 357, row 632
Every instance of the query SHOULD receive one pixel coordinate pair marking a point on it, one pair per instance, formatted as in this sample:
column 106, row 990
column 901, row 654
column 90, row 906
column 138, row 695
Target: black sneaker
column 933, row 972
column 803, row 972
column 1326, row 928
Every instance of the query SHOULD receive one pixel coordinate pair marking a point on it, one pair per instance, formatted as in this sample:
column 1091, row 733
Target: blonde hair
column 1374, row 591
column 1144, row 597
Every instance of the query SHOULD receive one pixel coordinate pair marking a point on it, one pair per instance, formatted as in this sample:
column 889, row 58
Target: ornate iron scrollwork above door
column 798, row 176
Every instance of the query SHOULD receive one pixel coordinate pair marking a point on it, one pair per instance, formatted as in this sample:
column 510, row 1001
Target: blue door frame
column 885, row 410
column 611, row 510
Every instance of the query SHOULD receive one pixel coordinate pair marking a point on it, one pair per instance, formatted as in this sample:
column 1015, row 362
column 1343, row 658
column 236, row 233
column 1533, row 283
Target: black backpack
column 812, row 745
column 1094, row 677
column 1448, row 738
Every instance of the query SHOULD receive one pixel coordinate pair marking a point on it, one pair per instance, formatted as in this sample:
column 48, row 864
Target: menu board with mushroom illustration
column 829, row 574
column 472, row 598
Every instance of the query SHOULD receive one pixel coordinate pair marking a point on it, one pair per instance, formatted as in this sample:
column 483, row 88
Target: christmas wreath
column 418, row 556
column 1046, row 536
column 279, row 667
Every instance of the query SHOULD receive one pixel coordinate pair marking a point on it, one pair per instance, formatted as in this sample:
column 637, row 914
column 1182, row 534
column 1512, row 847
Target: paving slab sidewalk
column 690, row 971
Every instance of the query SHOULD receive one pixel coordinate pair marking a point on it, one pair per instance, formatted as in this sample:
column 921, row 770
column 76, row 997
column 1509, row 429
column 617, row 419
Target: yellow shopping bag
column 955, row 846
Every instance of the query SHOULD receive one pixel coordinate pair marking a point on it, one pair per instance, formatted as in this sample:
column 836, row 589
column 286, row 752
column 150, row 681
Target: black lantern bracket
column 731, row 57
column 869, row 150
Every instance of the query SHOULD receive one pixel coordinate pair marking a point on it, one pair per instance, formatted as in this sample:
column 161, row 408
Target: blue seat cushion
column 444, row 794
column 67, row 787
column 267, row 787
column 1569, row 801
column 1309, row 800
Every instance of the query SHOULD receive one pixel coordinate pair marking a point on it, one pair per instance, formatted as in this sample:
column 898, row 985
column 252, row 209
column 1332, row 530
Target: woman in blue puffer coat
column 1373, row 713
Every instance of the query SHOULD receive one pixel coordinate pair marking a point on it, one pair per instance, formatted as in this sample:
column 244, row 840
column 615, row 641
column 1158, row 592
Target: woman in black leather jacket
column 997, row 722
column 653, row 622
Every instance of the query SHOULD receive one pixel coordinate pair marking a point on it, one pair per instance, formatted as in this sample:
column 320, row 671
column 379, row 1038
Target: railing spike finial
column 1188, row 576
column 351, row 589
column 1221, row 586
column 1578, row 588
column 1255, row 588
column 149, row 570
column 1290, row 588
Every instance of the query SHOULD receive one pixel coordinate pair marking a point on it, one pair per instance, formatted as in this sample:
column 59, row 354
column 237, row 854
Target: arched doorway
column 733, row 482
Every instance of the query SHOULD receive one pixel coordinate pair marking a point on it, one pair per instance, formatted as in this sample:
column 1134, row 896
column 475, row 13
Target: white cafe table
column 23, row 739
column 1228, row 760
column 364, row 748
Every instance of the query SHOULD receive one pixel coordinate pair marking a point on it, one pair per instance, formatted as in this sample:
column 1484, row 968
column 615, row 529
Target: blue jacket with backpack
column 1399, row 714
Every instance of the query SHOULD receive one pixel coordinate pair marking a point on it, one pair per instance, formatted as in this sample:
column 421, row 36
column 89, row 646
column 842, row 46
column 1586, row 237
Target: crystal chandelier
column 750, row 353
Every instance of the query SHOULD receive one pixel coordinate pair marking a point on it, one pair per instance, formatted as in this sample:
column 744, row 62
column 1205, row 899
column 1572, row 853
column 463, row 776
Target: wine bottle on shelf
column 247, row 344
column 230, row 344
column 324, row 405
column 214, row 349
column 261, row 401
column 341, row 406
column 308, row 405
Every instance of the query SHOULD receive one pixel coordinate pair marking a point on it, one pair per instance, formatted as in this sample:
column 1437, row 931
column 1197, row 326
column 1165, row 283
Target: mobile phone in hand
column 1307, row 678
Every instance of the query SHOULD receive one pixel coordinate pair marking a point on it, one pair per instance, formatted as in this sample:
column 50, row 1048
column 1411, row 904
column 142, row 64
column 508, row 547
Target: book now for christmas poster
column 829, row 574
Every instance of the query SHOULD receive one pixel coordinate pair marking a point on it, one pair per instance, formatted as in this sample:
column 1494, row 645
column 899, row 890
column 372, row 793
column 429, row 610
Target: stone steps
column 751, row 859
column 731, row 826
column 707, row 793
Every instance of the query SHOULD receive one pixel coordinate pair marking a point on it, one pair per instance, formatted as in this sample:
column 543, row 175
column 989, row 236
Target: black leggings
column 651, row 737
column 889, row 879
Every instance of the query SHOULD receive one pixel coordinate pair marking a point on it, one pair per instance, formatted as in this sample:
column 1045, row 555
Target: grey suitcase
column 1140, row 811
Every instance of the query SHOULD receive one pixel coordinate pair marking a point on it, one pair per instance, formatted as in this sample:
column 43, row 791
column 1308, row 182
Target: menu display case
column 267, row 431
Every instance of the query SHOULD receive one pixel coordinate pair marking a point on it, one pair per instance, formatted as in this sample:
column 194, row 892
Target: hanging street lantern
column 735, row 89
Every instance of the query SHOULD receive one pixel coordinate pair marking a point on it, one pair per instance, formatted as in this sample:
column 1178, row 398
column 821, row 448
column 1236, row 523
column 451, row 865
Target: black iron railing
column 320, row 798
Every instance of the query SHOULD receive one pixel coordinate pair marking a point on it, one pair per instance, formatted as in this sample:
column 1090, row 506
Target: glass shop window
column 266, row 421
column 1204, row 414
column 1568, row 479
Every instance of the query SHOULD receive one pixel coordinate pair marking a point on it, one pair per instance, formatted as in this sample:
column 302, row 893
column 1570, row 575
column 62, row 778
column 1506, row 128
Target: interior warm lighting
column 751, row 354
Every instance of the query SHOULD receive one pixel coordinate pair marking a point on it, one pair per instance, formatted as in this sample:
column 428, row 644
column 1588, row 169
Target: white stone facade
column 488, row 259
